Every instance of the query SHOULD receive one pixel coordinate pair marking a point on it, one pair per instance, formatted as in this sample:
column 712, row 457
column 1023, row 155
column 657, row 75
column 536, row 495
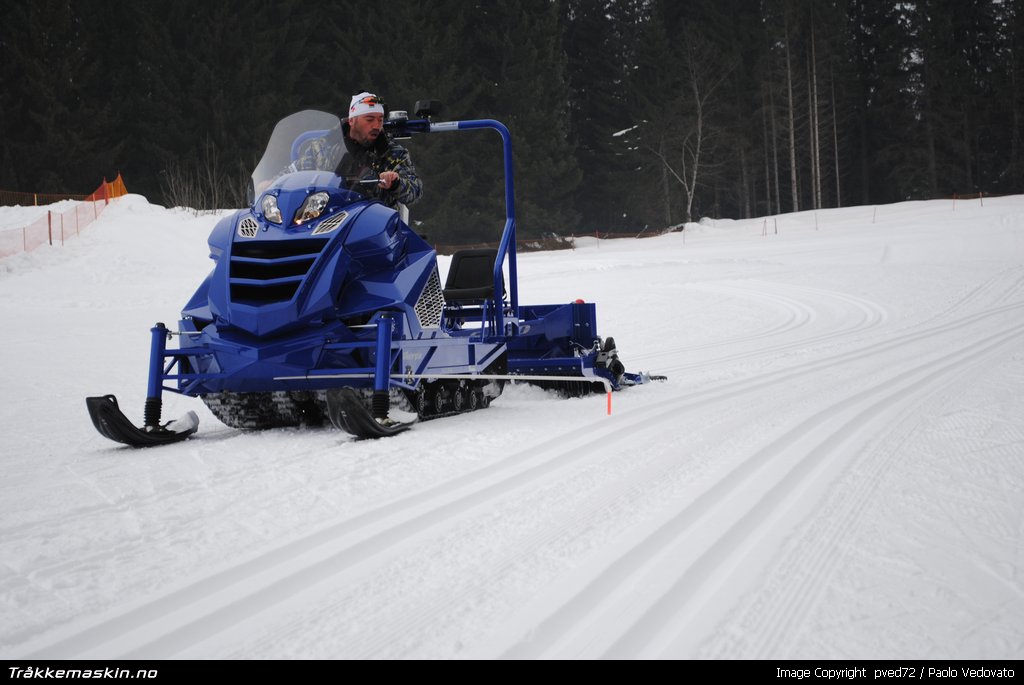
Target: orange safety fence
column 55, row 227
column 108, row 190
column 10, row 198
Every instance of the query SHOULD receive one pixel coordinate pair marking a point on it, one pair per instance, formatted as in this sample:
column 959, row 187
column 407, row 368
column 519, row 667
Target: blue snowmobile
column 325, row 305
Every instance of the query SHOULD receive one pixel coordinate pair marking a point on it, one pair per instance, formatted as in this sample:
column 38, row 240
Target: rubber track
column 264, row 410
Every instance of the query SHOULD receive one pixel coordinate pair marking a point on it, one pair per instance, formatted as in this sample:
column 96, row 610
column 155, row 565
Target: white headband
column 365, row 103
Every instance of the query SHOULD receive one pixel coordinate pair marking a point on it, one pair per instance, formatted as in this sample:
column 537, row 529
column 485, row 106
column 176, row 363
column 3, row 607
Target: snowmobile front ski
column 347, row 412
column 113, row 424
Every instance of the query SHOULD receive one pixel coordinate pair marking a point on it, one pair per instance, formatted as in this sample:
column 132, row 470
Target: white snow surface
column 834, row 469
column 17, row 216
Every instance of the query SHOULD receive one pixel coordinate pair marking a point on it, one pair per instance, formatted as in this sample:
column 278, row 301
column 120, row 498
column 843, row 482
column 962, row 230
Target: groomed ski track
column 834, row 465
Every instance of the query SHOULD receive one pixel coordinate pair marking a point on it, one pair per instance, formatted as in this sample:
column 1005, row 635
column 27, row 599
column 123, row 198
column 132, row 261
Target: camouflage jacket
column 345, row 157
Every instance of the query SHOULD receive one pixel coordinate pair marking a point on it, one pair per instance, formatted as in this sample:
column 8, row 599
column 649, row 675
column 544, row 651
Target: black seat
column 471, row 276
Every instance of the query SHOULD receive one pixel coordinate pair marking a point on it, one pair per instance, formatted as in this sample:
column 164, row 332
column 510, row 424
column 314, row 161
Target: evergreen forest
column 626, row 115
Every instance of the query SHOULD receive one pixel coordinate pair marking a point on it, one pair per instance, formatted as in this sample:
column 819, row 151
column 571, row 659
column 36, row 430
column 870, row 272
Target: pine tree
column 531, row 86
column 959, row 48
column 598, row 59
column 463, row 201
column 1011, row 86
column 884, row 113
column 50, row 77
column 654, row 96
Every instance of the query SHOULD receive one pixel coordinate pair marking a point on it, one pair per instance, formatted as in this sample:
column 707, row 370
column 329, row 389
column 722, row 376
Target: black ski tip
column 113, row 424
column 347, row 412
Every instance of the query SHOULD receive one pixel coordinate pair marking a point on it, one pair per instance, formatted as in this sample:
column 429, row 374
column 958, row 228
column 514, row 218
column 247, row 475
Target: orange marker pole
column 609, row 403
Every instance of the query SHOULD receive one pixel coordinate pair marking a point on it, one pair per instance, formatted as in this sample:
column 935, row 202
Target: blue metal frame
column 507, row 247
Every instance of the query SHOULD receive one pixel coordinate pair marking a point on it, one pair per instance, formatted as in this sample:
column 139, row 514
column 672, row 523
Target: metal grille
column 330, row 223
column 431, row 302
column 265, row 272
column 247, row 227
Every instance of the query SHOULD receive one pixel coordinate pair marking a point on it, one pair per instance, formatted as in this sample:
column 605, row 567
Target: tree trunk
column 691, row 186
column 775, row 151
column 967, row 150
column 767, row 165
column 928, row 116
column 865, row 163
column 745, row 181
column 816, row 122
column 835, row 134
column 810, row 135
column 792, row 129
column 1016, row 167
column 665, row 185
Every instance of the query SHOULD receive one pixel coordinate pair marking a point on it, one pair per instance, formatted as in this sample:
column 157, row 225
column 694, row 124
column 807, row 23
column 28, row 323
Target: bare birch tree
column 694, row 130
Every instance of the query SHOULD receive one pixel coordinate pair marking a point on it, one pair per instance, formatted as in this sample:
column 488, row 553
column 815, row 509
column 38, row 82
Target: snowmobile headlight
column 270, row 209
column 312, row 207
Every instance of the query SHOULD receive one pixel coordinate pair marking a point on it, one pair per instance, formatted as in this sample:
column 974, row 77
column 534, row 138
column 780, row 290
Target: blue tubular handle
column 507, row 247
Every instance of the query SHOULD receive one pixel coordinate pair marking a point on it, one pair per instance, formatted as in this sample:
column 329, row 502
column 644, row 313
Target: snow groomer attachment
column 323, row 305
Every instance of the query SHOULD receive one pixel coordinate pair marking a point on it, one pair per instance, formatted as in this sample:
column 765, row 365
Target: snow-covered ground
column 17, row 216
column 834, row 469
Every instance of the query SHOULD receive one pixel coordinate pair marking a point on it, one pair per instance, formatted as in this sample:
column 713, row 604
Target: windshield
column 290, row 143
